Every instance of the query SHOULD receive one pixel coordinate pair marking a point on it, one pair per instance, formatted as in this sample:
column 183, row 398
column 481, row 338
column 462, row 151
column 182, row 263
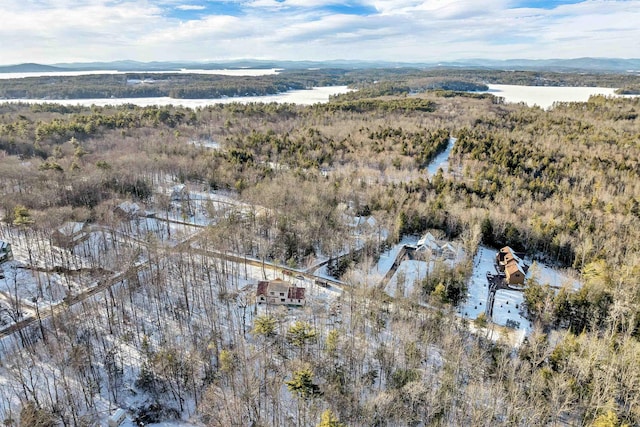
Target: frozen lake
column 545, row 96
column 302, row 97
column 219, row 72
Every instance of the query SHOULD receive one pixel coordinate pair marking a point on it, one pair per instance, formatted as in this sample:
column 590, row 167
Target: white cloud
column 190, row 7
column 401, row 30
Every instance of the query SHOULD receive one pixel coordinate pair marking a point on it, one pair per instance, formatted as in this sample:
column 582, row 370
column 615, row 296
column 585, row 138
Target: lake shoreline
column 311, row 96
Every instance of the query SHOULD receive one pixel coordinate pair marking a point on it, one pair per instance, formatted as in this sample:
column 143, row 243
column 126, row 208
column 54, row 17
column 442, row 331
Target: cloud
column 52, row 31
column 191, row 7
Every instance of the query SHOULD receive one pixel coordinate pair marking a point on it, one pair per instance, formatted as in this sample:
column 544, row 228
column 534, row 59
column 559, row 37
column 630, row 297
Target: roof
column 279, row 286
column 119, row 413
column 70, row 228
column 129, row 207
column 512, row 267
column 510, row 256
column 3, row 245
column 296, row 293
column 429, row 242
column 262, row 288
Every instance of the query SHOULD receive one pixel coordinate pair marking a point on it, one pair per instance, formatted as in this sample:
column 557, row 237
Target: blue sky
column 50, row 31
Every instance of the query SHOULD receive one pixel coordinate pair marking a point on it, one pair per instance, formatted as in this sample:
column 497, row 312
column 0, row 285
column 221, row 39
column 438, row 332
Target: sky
column 53, row 31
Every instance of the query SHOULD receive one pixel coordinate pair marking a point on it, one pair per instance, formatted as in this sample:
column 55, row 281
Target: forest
column 163, row 321
column 370, row 82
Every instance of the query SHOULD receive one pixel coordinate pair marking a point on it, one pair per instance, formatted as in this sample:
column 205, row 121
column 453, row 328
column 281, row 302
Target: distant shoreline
column 239, row 72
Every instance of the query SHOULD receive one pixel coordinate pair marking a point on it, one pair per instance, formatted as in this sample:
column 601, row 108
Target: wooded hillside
column 181, row 333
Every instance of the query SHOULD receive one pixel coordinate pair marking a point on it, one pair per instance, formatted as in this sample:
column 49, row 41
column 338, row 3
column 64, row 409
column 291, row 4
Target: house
column 70, row 234
column 449, row 251
column 429, row 243
column 512, row 265
column 130, row 210
column 279, row 292
column 514, row 273
column 437, row 248
column 504, row 255
column 5, row 251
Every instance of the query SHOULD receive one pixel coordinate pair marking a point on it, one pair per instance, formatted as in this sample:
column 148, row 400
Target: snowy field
column 405, row 280
column 300, row 97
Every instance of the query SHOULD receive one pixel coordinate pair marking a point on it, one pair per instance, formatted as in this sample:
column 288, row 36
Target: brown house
column 512, row 266
column 279, row 292
column 514, row 273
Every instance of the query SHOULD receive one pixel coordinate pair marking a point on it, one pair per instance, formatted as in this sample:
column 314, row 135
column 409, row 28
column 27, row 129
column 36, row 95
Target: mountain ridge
column 627, row 65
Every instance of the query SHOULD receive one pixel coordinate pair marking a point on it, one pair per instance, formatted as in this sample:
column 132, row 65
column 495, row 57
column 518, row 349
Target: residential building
column 512, row 265
column 279, row 292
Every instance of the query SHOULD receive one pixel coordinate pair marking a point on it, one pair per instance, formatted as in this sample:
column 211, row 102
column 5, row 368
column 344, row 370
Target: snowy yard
column 508, row 304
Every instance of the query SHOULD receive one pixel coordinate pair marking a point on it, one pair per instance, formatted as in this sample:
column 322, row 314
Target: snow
column 508, row 303
column 388, row 257
column 406, row 279
column 207, row 144
column 441, row 161
column 554, row 277
column 507, row 307
column 545, row 96
column 172, row 424
column 301, row 97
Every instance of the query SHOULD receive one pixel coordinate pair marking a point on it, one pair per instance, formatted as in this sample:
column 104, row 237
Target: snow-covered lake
column 545, row 96
column 300, row 97
column 220, row 72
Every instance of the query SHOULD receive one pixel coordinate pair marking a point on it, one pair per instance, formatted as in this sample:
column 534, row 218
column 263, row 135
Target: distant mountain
column 604, row 65
column 30, row 68
column 573, row 65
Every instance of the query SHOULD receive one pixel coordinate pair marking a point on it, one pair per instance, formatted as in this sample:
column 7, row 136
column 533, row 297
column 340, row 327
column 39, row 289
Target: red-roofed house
column 279, row 292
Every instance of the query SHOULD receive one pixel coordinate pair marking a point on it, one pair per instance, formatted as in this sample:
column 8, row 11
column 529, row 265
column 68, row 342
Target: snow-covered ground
column 442, row 160
column 508, row 304
column 410, row 272
column 236, row 280
column 213, row 145
column 406, row 279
